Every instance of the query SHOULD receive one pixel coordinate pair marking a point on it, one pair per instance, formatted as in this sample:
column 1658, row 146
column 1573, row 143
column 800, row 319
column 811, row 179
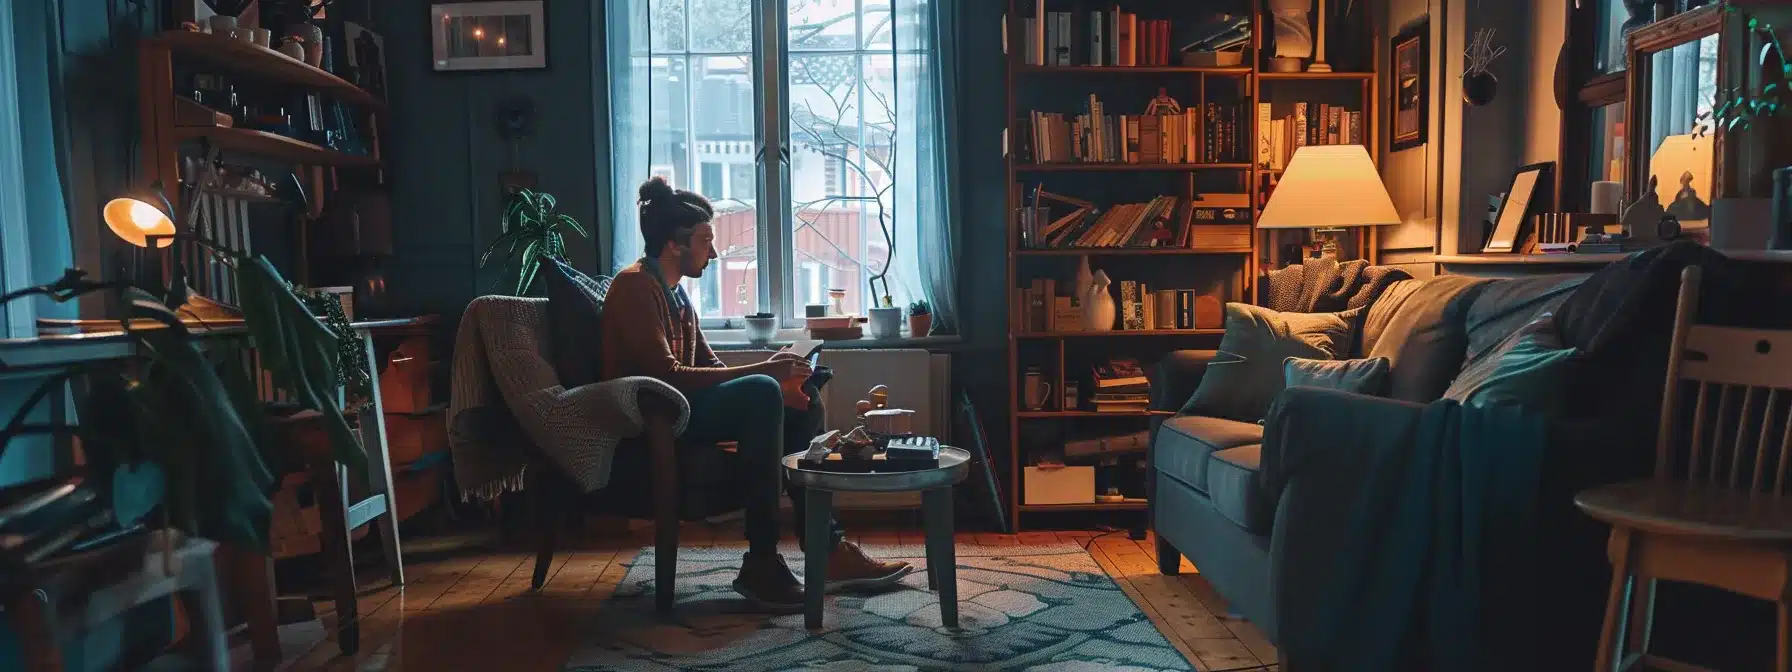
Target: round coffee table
column 935, row 486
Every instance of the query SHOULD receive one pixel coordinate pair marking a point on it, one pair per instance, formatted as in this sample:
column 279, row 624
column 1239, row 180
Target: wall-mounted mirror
column 1676, row 69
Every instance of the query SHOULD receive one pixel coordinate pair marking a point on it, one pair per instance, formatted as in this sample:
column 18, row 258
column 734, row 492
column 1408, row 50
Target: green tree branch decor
column 531, row 231
column 1736, row 107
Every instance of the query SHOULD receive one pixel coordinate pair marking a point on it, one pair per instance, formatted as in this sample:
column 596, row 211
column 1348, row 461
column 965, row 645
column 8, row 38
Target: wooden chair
column 1717, row 511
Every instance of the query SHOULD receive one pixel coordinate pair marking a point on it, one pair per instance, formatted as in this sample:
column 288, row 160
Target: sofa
column 1235, row 497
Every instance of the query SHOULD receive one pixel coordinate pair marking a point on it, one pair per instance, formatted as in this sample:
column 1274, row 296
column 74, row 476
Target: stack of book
column 1100, row 37
column 1213, row 133
column 1119, row 386
column 1310, row 124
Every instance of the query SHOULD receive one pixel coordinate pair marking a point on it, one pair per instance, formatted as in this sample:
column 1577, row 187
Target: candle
column 1605, row 197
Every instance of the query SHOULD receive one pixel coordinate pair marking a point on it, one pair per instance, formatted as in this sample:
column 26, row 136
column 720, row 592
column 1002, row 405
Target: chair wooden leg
column 1617, row 603
column 1169, row 560
column 660, row 443
column 547, row 511
column 1641, row 622
column 338, row 552
column 211, row 646
column 376, row 443
column 1784, row 634
column 251, row 591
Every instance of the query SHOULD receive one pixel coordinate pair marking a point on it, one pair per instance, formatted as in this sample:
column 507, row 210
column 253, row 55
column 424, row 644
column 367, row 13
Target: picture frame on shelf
column 365, row 53
column 1529, row 193
column 476, row 36
column 1409, row 65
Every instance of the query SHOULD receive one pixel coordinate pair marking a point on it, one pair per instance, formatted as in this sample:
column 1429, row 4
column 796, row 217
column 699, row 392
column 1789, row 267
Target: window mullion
column 774, row 239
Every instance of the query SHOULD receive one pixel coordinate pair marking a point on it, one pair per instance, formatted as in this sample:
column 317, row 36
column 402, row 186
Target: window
column 1606, row 161
column 1593, row 127
column 808, row 155
column 15, row 267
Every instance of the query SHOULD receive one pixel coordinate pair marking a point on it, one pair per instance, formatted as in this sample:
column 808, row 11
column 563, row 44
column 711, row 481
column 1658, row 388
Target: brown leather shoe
column 850, row 568
column 767, row 583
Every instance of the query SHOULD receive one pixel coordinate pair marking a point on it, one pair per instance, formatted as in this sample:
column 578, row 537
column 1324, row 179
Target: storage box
column 1058, row 485
column 410, row 436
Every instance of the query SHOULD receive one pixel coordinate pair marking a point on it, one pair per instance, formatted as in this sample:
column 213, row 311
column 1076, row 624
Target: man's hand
column 787, row 369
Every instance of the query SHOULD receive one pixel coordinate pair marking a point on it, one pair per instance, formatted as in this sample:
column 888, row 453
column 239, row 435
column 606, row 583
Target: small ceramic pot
column 222, row 26
column 761, row 328
column 262, row 37
column 886, row 322
column 920, row 325
column 293, row 48
column 313, row 37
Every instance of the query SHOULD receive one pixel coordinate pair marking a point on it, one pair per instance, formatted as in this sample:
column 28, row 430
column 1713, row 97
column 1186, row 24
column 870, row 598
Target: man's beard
column 696, row 270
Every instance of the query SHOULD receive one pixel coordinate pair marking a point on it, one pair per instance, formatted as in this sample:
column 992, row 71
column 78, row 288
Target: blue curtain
column 630, row 116
column 37, row 49
column 928, row 52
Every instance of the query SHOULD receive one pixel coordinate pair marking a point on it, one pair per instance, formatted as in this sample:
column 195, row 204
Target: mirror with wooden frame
column 1680, row 69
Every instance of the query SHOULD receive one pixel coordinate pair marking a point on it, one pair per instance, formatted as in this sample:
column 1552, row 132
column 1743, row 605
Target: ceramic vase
column 313, row 38
column 1080, row 288
column 1098, row 304
column 222, row 26
column 886, row 322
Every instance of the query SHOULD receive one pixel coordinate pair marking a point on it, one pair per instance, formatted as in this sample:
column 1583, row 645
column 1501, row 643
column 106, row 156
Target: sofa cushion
column 1375, row 320
column 1359, row 376
column 1240, row 385
column 1506, row 306
column 1528, row 369
column 1425, row 338
column 1235, row 490
column 1184, row 442
column 575, row 322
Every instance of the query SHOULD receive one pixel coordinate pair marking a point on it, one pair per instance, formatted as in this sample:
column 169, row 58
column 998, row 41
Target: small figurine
column 1642, row 218
column 820, row 446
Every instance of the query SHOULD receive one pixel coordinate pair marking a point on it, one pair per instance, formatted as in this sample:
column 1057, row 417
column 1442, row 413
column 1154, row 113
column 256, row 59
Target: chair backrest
column 1739, row 385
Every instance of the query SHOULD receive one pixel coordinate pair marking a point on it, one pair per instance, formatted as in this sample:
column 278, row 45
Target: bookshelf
column 1061, row 112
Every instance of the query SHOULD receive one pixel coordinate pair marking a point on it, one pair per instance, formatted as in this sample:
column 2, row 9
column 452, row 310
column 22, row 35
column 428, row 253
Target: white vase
column 1098, row 304
column 1083, row 278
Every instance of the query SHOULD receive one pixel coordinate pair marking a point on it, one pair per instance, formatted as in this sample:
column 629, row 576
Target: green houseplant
column 920, row 318
column 532, row 229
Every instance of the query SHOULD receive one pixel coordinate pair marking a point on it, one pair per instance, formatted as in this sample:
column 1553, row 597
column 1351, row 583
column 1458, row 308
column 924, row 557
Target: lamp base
column 1319, row 66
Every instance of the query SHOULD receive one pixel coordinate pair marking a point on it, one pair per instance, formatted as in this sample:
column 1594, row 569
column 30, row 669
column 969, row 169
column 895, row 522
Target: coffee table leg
column 942, row 561
column 820, row 505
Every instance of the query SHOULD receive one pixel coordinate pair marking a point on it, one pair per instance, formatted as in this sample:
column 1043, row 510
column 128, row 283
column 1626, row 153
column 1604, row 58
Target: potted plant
column 531, row 230
column 920, row 319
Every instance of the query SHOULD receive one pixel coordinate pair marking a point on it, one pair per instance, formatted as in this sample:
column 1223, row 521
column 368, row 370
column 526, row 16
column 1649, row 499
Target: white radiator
column 918, row 380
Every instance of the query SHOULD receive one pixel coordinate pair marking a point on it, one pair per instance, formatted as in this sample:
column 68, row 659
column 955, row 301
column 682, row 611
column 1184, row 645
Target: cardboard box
column 1058, row 485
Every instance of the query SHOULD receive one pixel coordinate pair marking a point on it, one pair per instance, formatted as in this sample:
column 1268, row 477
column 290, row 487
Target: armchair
column 513, row 426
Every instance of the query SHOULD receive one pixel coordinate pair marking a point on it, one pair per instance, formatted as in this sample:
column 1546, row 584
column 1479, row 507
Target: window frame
column 777, row 258
column 1584, row 92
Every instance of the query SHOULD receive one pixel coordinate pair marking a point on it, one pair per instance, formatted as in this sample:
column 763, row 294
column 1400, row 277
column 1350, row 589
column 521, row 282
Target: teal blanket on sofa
column 1428, row 552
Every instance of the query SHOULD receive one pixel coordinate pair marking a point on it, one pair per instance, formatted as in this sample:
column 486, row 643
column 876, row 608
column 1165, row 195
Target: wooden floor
column 474, row 610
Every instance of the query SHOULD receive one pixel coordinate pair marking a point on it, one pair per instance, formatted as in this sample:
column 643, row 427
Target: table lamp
column 141, row 217
column 1328, row 188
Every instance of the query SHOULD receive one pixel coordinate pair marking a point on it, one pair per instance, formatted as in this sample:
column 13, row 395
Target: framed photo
column 366, row 56
column 1411, row 55
column 507, row 35
column 1530, row 192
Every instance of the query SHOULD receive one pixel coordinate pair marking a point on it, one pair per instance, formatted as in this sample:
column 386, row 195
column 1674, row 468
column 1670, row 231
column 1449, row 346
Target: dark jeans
column 750, row 411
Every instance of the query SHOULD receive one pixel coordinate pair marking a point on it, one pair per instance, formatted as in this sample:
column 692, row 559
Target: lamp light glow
column 1326, row 187
column 136, row 216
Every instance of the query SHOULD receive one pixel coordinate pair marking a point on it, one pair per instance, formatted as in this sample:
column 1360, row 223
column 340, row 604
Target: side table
column 935, row 486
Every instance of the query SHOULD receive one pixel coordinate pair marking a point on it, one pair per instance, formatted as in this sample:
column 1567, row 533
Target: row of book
column 1309, row 124
column 1216, row 221
column 1211, row 133
column 1039, row 309
column 1115, row 37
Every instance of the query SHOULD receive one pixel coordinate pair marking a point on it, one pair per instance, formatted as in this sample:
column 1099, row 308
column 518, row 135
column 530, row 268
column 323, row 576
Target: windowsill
column 736, row 339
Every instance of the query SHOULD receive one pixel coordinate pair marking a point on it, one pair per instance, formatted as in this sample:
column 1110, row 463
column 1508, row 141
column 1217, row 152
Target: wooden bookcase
column 1232, row 273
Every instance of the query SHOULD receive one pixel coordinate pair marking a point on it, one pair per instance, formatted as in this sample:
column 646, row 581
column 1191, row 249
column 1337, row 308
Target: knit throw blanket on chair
column 1325, row 286
column 506, row 396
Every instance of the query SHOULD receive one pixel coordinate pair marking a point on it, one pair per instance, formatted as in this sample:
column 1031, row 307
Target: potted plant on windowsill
column 920, row 319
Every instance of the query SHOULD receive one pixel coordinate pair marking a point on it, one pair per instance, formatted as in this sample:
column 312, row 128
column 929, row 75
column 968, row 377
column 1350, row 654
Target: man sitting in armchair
column 649, row 329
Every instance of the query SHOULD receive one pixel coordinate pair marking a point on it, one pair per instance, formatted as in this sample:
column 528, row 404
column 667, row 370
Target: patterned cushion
column 575, row 319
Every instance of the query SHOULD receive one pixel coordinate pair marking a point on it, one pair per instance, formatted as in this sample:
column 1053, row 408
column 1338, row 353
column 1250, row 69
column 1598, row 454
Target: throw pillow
column 575, row 318
column 1249, row 374
column 1528, row 369
column 1359, row 376
column 1425, row 339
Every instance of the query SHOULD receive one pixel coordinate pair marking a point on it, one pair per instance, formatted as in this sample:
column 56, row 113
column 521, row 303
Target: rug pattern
column 1048, row 607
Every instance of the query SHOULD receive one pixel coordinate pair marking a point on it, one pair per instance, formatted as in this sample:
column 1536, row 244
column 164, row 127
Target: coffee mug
column 261, row 37
column 1036, row 391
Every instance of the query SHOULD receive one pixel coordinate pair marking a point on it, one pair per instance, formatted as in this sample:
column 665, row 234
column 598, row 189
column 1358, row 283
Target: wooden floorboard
column 474, row 610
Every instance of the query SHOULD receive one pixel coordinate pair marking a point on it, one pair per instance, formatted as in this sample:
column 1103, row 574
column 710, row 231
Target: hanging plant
column 1478, row 83
column 1737, row 108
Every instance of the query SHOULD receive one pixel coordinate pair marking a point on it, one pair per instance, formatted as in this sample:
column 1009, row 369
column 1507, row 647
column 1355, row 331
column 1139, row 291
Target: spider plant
column 531, row 231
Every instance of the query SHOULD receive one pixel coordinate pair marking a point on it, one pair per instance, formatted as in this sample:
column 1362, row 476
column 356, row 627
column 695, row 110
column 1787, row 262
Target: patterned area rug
column 1047, row 607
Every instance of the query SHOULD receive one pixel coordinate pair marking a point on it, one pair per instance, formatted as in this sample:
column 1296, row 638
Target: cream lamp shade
column 1329, row 187
column 137, row 216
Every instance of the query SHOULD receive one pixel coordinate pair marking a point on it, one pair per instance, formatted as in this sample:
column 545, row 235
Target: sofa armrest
column 1177, row 376
column 1309, row 430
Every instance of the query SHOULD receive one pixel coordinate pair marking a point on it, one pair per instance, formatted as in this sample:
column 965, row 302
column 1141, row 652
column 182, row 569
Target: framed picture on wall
column 507, row 35
column 366, row 52
column 1411, row 89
